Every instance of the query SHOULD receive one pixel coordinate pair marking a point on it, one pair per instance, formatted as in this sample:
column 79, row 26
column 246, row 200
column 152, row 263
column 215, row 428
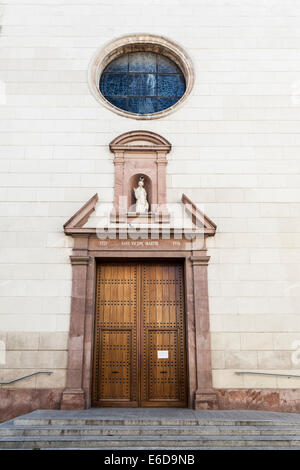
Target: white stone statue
column 140, row 193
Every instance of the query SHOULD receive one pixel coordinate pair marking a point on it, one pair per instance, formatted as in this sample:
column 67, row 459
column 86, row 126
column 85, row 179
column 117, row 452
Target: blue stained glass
column 164, row 103
column 142, row 105
column 142, row 62
column 142, row 84
column 165, row 65
column 121, row 103
column 170, row 85
column 118, row 65
column 114, row 84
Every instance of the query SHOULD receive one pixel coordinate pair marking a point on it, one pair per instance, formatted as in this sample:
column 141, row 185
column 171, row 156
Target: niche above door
column 140, row 153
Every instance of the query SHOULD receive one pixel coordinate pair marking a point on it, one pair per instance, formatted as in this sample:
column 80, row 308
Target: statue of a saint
column 140, row 193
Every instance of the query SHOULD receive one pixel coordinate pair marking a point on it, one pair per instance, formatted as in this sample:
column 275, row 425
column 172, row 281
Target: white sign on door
column 162, row 354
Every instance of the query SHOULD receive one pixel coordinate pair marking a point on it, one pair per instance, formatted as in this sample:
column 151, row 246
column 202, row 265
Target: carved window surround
column 137, row 43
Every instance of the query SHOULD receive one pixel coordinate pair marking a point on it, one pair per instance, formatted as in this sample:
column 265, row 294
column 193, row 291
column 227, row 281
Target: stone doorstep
column 148, row 431
column 158, row 414
column 171, row 448
column 274, row 438
column 163, row 448
column 121, row 442
column 145, row 422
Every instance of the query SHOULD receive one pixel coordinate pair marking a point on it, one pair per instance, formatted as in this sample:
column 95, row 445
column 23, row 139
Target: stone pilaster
column 73, row 396
column 205, row 397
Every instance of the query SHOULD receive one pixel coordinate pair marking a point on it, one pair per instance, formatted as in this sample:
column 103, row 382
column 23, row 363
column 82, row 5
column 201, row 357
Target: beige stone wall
column 235, row 151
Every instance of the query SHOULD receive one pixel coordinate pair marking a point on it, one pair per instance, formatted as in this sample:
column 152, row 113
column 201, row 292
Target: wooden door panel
column 117, row 295
column 162, row 323
column 162, row 377
column 115, row 373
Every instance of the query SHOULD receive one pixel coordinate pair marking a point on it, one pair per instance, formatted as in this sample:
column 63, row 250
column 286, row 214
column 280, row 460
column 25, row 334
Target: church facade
column 150, row 245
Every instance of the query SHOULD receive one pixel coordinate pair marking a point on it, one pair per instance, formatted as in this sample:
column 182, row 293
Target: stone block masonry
column 235, row 152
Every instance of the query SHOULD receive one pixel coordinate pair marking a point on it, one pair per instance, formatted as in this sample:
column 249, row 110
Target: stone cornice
column 82, row 260
column 152, row 142
column 200, row 260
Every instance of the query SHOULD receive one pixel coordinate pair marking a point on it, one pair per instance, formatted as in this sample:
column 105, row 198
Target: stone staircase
column 151, row 429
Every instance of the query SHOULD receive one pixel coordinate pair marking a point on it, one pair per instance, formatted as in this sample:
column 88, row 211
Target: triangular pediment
column 199, row 219
column 76, row 224
column 80, row 217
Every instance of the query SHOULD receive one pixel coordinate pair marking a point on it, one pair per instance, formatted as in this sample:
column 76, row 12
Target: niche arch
column 140, row 42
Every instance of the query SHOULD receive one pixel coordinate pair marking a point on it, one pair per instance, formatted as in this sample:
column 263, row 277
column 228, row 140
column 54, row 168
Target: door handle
column 114, row 371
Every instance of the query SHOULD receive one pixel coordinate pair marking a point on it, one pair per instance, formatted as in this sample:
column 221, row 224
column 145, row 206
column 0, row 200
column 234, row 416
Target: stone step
column 151, row 429
column 282, row 430
column 144, row 422
column 166, row 448
column 136, row 442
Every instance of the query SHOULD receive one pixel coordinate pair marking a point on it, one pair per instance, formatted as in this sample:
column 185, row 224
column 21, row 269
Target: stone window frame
column 134, row 43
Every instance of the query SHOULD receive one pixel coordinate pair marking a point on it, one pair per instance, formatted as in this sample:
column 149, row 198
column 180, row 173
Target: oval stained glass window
column 142, row 82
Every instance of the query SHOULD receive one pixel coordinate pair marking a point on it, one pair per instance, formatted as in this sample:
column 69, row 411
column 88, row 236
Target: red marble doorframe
column 205, row 397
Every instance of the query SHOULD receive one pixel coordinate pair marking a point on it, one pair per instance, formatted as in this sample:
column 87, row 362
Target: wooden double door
column 139, row 342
